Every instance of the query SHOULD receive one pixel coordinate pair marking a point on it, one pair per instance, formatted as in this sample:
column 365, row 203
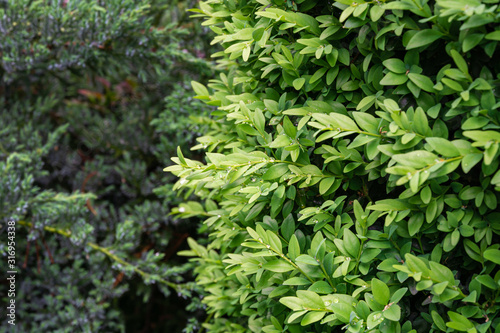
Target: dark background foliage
column 94, row 99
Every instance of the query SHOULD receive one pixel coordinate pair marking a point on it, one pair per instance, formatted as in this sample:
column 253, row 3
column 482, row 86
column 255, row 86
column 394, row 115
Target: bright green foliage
column 352, row 174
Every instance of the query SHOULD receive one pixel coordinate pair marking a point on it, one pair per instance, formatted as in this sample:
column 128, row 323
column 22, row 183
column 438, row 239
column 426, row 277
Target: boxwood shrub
column 352, row 173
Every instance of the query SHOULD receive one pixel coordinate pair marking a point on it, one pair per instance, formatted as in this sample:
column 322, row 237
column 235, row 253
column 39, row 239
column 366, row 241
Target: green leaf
column 289, row 127
column 389, row 204
column 398, row 295
column 496, row 178
column 374, row 319
column 292, row 302
column 439, row 288
column 420, row 122
column 392, row 313
column 366, row 103
column 424, row 284
column 460, row 61
column 426, row 195
column 274, row 241
column 469, row 193
column 351, row 243
column 443, row 147
column 452, row 84
column 415, row 223
column 366, row 121
column 492, row 255
column 459, row 322
column 387, row 265
column 259, row 120
column 395, row 65
column 475, row 123
column 255, row 211
column 423, row 38
column 293, row 248
column 310, row 299
column 438, row 320
column 318, row 74
column 200, row 90
column 477, row 21
column 280, row 141
column 321, row 287
column 380, row 292
column 393, row 79
column 376, row 12
column 417, row 265
column 422, row 81
column 297, row 281
column 495, row 35
column 329, row 31
column 470, row 160
column 275, row 171
column 299, row 83
column 325, row 184
column 416, row 159
column 487, row 281
column 482, row 137
column 181, row 156
column 307, row 259
column 441, row 273
column 471, row 41
column 278, row 266
column 312, row 317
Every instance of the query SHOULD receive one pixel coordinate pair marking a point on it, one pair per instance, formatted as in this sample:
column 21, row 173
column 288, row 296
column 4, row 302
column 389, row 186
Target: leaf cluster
column 351, row 176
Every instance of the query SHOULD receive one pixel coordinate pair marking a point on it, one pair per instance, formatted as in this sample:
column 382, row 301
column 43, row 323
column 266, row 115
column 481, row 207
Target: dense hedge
column 93, row 99
column 352, row 173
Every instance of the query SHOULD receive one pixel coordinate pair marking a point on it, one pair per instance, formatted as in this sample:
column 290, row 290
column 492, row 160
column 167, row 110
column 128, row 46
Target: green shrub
column 92, row 99
column 352, row 173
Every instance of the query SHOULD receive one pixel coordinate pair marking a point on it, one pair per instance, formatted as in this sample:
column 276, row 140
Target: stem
column 206, row 321
column 419, row 239
column 359, row 132
column 330, row 282
column 107, row 252
column 287, row 260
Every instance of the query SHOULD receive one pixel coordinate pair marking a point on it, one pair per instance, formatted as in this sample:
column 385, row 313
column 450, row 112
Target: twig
column 107, row 252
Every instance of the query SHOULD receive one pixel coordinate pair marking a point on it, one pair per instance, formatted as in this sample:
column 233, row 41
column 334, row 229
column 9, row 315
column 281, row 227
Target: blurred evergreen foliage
column 94, row 99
